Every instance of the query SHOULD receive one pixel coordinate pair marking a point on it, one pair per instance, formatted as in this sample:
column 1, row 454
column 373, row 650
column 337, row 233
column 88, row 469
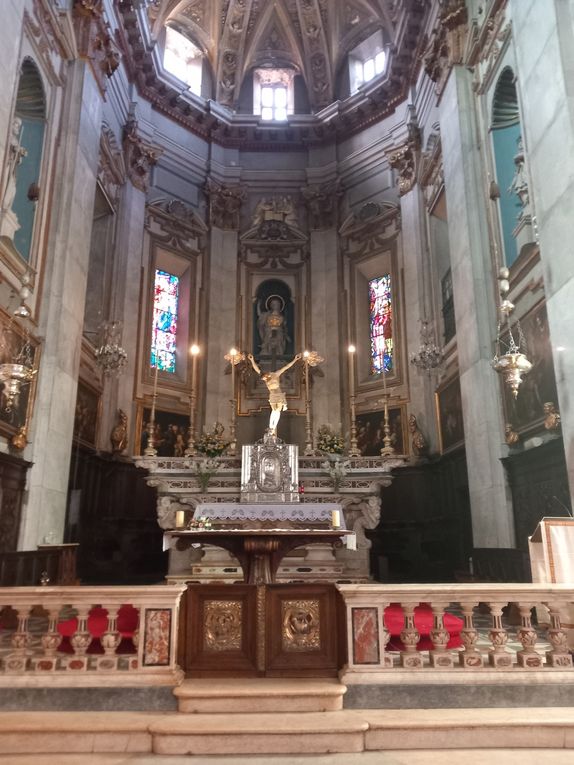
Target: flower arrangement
column 204, row 470
column 329, row 442
column 212, row 444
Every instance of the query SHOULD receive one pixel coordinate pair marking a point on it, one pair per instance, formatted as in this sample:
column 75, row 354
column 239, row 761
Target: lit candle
column 335, row 519
column 352, row 350
column 233, row 354
column 179, row 518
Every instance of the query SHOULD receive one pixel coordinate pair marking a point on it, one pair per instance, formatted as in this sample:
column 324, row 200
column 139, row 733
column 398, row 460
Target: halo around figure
column 278, row 297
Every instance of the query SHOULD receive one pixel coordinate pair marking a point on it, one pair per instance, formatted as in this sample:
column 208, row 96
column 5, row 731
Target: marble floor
column 419, row 757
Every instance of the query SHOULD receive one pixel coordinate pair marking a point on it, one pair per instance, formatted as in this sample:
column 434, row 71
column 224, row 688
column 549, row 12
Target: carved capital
column 94, row 39
column 403, row 160
column 447, row 43
column 139, row 156
column 322, row 202
column 224, row 204
column 112, row 166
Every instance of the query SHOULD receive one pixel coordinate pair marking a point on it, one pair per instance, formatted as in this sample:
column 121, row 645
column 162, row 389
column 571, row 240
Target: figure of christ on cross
column 277, row 400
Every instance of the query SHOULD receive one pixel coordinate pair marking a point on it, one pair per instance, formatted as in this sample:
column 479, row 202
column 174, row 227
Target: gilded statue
column 119, row 434
column 277, row 400
column 551, row 416
column 418, row 443
column 510, row 435
column 272, row 327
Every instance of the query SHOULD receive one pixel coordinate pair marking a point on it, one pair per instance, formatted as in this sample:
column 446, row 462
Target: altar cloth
column 294, row 511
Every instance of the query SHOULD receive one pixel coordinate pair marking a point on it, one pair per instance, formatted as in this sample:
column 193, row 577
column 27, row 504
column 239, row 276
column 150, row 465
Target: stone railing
column 89, row 635
column 397, row 630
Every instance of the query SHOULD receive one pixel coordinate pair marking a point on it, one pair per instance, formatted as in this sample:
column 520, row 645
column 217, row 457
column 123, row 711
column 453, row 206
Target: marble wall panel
column 365, row 635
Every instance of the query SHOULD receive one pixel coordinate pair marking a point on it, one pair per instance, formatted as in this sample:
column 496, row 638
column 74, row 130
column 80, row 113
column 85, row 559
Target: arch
column 30, row 114
column 506, row 135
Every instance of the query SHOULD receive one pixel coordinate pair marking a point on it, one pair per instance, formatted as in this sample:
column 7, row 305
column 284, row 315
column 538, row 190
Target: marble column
column 475, row 310
column 325, row 337
column 127, row 298
column 416, row 281
column 544, row 42
column 62, row 307
column 223, row 330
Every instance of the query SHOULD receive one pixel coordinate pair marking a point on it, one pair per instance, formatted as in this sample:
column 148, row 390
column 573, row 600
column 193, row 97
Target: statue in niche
column 15, row 157
column 419, row 444
column 519, row 185
column 510, row 435
column 272, row 327
column 551, row 416
column 119, row 434
column 277, row 400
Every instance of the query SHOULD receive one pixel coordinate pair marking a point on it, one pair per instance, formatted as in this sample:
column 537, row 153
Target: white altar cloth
column 295, row 511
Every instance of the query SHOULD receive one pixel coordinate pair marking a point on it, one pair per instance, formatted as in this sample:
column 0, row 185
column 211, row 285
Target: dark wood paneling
column 539, row 485
column 12, row 484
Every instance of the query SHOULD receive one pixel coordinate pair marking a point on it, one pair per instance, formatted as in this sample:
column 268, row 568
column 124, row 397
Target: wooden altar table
column 259, row 551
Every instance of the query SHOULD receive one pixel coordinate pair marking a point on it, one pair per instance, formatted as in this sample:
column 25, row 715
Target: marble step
column 287, row 733
column 272, row 733
column 225, row 696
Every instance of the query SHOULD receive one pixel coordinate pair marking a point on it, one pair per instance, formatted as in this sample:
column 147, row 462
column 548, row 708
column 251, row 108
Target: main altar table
column 259, row 551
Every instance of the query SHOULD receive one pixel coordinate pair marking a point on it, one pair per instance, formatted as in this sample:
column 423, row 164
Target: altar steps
column 308, row 733
column 230, row 696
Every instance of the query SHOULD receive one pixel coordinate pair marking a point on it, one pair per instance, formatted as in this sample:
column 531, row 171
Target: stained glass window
column 164, row 328
column 381, row 324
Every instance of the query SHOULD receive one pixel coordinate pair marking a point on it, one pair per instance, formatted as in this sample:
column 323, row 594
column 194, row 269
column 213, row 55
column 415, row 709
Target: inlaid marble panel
column 156, row 637
column 365, row 635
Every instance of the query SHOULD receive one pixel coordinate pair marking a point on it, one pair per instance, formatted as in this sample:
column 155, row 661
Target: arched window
column 506, row 137
column 164, row 326
column 381, row 324
column 183, row 59
column 27, row 139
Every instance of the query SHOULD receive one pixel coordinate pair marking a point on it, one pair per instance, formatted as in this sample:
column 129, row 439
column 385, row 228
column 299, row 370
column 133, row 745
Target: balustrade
column 457, row 629
column 87, row 631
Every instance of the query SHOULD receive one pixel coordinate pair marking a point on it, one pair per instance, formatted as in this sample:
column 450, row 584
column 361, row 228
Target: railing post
column 498, row 656
column 17, row 662
column 560, row 655
column 50, row 641
column 470, row 658
column 528, row 657
column 410, row 636
column 80, row 640
column 110, row 640
column 439, row 656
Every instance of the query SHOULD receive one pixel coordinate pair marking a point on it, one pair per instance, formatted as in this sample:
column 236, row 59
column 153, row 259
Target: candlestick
column 190, row 451
column 335, row 519
column 387, row 450
column 308, row 430
column 150, row 450
column 233, row 353
column 354, row 449
column 179, row 518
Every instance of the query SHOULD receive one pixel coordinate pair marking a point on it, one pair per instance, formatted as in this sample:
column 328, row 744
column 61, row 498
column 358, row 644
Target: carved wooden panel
column 303, row 630
column 220, row 627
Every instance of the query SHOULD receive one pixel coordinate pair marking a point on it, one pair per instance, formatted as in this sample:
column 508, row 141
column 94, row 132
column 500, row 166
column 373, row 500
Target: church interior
column 286, row 365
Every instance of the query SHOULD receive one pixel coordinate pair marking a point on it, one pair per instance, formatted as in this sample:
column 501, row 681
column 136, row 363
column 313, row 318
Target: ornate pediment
column 371, row 227
column 175, row 223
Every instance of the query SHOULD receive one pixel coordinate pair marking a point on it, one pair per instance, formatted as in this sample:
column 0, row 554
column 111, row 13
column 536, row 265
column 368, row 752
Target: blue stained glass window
column 381, row 324
column 164, row 328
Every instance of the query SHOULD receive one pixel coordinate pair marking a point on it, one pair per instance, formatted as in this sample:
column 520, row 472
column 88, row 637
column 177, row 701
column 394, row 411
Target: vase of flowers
column 330, row 443
column 204, row 471
column 212, row 443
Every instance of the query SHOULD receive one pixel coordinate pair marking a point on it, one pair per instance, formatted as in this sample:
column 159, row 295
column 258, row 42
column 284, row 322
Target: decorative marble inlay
column 365, row 636
column 222, row 625
column 301, row 625
column 157, row 627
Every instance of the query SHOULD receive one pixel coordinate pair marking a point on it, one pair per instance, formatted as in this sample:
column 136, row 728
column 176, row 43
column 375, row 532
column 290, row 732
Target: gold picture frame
column 450, row 424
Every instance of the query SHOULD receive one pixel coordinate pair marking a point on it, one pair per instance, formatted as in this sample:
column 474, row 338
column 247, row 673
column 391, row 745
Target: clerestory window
column 367, row 61
column 273, row 93
column 183, row 59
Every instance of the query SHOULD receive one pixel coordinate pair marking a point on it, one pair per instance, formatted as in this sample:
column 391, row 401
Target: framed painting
column 170, row 433
column 526, row 411
column 87, row 415
column 19, row 414
column 370, row 431
column 449, row 415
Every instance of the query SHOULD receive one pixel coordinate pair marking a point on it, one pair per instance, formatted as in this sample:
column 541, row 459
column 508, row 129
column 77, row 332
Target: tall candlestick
column 190, row 451
column 354, row 449
column 150, row 450
column 233, row 353
column 308, row 431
